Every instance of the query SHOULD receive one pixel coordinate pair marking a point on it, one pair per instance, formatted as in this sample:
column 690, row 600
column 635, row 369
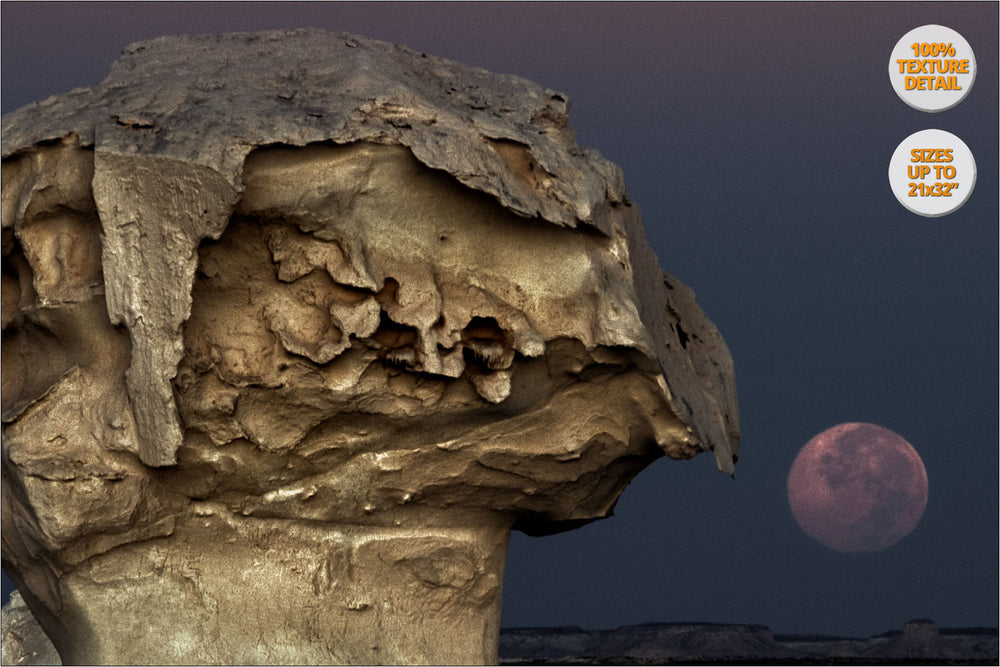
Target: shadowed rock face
column 297, row 326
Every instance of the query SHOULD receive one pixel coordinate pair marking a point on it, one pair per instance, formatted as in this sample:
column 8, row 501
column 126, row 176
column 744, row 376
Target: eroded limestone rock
column 297, row 327
column 22, row 641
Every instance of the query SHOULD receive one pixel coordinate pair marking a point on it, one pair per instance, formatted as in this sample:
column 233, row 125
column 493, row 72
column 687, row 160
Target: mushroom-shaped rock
column 297, row 326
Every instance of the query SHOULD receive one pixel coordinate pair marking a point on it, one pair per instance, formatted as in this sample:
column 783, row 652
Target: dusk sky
column 755, row 138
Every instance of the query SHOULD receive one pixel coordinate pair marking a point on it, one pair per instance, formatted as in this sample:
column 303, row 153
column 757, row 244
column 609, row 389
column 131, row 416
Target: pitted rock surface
column 330, row 316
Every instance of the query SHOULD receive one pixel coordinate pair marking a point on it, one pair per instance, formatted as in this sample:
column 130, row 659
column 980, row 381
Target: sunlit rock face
column 297, row 327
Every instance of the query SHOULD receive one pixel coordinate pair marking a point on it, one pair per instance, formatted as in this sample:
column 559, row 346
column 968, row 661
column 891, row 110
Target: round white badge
column 932, row 68
column 932, row 173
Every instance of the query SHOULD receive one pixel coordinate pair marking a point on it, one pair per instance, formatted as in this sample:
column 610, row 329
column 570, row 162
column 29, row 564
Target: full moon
column 857, row 488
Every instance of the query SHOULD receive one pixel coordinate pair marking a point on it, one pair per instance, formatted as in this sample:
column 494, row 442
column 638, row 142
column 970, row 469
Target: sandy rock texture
column 297, row 327
column 22, row 641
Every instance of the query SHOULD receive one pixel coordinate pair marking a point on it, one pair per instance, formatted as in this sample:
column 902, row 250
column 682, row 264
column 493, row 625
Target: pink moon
column 857, row 488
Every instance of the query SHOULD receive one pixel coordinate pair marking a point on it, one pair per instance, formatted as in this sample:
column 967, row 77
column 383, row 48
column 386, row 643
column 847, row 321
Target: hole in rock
column 397, row 342
column 682, row 336
column 484, row 342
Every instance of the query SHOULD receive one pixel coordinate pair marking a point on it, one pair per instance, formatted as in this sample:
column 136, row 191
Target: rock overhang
column 164, row 158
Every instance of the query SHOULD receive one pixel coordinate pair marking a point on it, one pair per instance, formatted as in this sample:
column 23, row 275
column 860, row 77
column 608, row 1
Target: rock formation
column 297, row 327
column 22, row 641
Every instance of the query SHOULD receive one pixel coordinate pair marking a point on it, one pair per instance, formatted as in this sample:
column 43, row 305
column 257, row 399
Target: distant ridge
column 919, row 641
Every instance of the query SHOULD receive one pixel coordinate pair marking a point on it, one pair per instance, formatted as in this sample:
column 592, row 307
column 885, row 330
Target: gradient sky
column 755, row 138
